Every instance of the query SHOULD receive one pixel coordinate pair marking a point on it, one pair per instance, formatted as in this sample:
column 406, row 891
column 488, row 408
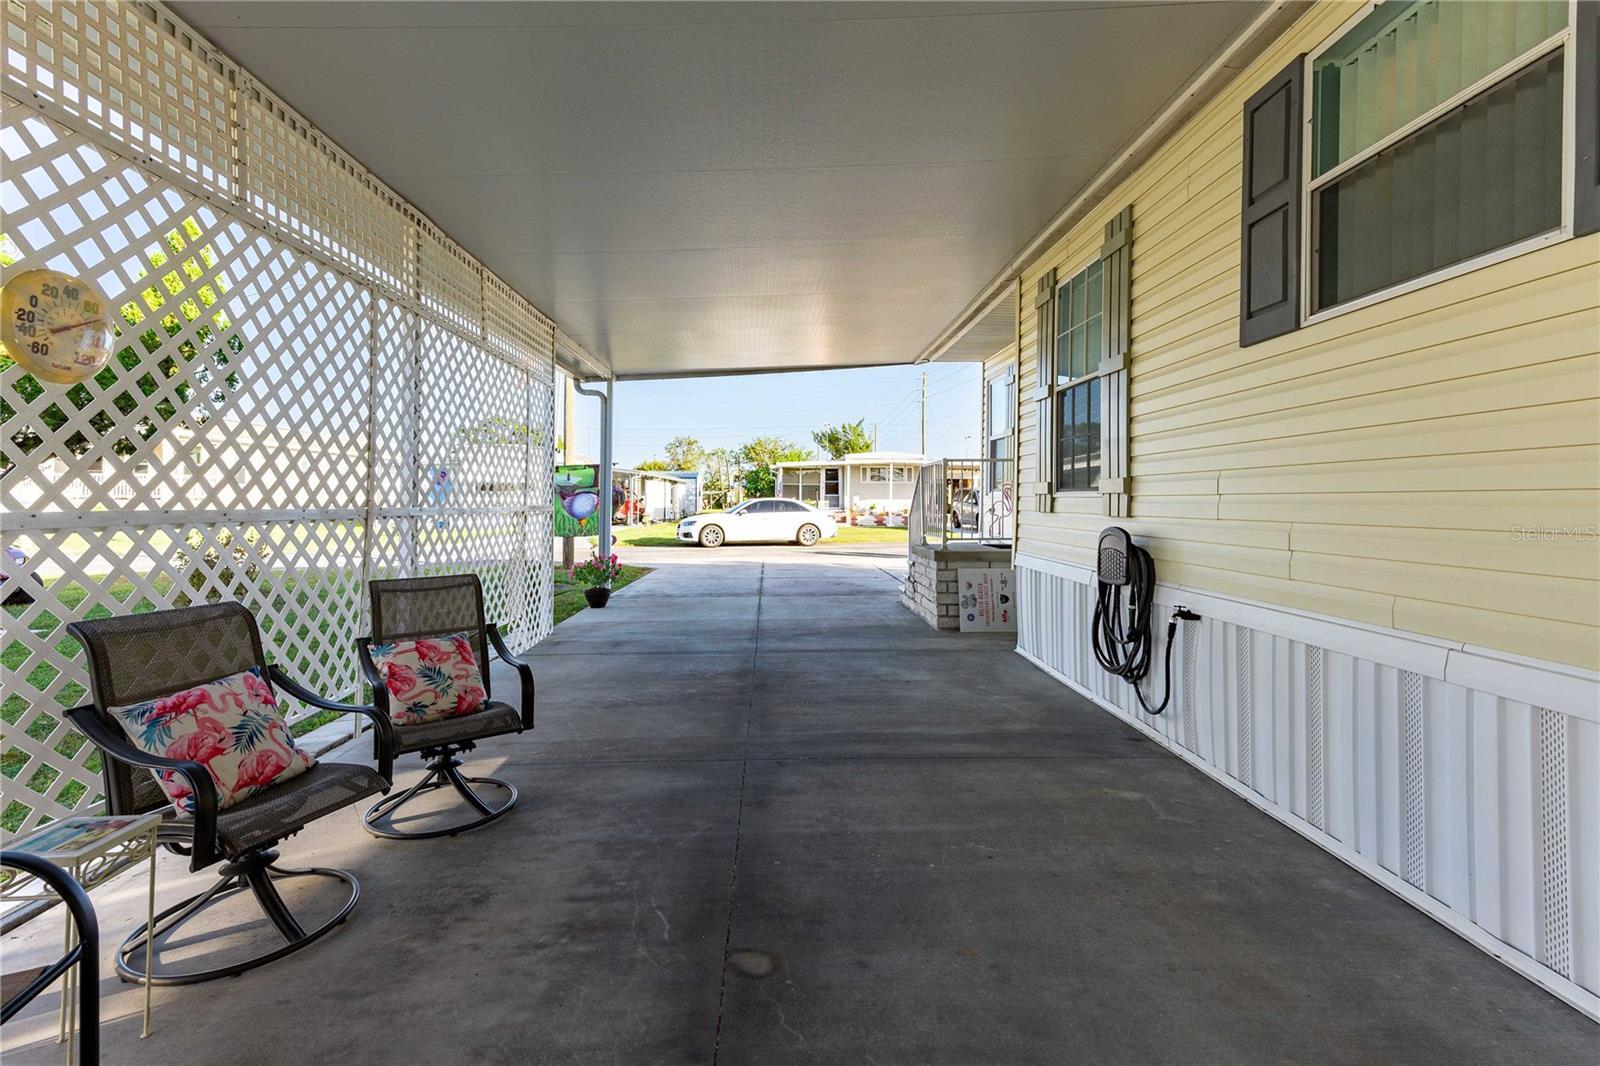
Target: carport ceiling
column 695, row 188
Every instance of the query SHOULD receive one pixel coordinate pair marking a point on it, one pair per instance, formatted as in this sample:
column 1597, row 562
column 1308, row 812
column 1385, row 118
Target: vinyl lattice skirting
column 1477, row 802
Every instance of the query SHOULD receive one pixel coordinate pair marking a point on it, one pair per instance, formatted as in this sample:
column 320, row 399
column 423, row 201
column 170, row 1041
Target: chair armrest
column 382, row 729
column 86, row 720
column 524, row 672
column 380, row 699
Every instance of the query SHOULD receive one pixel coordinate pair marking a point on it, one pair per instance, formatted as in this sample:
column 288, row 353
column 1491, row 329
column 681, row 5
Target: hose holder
column 1123, row 608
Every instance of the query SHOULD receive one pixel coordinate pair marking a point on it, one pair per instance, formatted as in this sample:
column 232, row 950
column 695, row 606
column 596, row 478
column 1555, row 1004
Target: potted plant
column 596, row 575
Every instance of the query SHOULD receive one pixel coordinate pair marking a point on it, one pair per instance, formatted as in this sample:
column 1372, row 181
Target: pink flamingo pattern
column 430, row 678
column 231, row 726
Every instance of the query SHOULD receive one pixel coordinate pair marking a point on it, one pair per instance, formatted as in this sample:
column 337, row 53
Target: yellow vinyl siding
column 1375, row 466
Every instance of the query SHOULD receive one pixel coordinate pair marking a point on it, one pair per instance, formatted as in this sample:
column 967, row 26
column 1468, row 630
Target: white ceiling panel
column 715, row 187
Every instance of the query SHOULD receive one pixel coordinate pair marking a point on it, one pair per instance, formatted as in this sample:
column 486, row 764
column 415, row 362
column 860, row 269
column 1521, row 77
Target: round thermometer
column 56, row 326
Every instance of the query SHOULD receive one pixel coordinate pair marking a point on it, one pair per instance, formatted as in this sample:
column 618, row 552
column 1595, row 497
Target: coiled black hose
column 1122, row 627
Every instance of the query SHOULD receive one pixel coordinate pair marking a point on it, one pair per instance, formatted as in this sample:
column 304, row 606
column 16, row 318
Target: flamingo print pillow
column 232, row 727
column 430, row 678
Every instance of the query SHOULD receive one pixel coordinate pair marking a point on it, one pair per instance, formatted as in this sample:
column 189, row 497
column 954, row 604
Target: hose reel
column 1122, row 614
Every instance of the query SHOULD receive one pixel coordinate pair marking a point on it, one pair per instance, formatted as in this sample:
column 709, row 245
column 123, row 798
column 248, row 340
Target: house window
column 875, row 473
column 1080, row 315
column 1437, row 134
column 902, row 473
column 998, row 417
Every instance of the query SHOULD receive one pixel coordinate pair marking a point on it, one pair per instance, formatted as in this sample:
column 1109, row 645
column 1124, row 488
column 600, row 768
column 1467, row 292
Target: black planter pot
column 597, row 597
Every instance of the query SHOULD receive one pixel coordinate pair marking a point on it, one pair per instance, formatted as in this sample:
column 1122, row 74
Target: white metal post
column 603, row 548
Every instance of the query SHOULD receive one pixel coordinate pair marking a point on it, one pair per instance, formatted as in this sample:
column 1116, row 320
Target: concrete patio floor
column 769, row 816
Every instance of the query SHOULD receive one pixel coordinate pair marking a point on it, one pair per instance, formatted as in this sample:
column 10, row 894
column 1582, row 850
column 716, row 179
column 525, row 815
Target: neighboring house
column 1328, row 350
column 691, row 490
column 649, row 495
column 853, row 486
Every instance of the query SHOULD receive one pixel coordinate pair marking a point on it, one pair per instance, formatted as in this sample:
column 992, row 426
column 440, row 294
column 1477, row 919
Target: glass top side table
column 93, row 849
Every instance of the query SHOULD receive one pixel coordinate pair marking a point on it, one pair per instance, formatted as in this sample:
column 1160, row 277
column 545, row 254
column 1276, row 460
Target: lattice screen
column 313, row 385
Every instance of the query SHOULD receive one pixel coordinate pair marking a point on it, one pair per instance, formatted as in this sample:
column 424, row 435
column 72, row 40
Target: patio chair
column 136, row 658
column 84, row 954
column 412, row 608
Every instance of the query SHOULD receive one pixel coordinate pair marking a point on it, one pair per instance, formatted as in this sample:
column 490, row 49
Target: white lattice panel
column 449, row 281
column 297, row 181
column 399, row 391
column 1482, row 806
column 132, row 73
column 135, row 78
column 537, row 616
column 513, row 328
column 268, row 432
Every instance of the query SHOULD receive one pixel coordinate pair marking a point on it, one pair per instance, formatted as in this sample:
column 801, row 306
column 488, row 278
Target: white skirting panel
column 1481, row 808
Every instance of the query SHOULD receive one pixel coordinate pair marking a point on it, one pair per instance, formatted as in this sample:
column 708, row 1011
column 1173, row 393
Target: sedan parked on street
column 756, row 521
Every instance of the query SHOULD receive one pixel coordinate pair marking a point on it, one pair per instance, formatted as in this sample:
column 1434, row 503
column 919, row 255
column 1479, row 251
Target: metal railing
column 964, row 501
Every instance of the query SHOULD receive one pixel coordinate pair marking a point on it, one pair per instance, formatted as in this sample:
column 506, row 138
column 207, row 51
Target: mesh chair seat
column 144, row 656
column 275, row 812
column 408, row 608
column 492, row 720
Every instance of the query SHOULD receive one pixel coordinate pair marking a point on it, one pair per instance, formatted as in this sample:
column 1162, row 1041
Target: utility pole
column 924, row 448
column 874, row 436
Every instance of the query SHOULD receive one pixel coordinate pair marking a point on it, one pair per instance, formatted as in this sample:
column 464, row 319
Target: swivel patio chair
column 413, row 608
column 137, row 658
column 84, row 954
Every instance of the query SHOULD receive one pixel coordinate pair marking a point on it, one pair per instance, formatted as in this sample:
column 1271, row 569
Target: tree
column 684, row 453
column 760, row 481
column 716, row 485
column 767, row 451
column 758, row 456
column 839, row 441
column 656, row 464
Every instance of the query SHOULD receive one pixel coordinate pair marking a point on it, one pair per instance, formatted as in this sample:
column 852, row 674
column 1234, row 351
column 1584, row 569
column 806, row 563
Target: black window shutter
column 1269, row 278
column 1586, row 190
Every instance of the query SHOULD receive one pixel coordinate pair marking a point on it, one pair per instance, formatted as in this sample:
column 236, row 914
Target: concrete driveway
column 769, row 816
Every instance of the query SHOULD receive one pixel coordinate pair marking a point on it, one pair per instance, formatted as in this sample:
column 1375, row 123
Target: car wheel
column 711, row 537
column 808, row 535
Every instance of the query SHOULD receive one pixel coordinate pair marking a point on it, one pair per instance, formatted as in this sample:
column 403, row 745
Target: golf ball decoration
column 57, row 327
column 581, row 505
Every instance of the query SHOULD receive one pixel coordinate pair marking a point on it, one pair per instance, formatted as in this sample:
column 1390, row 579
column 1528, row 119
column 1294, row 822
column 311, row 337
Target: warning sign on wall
column 987, row 600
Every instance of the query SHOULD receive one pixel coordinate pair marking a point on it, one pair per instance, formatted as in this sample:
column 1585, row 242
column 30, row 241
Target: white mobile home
column 854, row 486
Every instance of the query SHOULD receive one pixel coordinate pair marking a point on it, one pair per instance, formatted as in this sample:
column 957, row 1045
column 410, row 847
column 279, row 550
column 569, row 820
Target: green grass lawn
column 304, row 591
column 283, row 589
column 665, row 535
column 571, row 602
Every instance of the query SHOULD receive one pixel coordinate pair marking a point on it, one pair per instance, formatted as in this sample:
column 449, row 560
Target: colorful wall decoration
column 577, row 506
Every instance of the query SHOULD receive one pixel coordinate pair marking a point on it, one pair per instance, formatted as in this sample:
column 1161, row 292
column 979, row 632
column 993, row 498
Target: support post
column 603, row 548
column 568, row 551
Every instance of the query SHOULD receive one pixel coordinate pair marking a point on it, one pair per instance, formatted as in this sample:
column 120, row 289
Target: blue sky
column 727, row 411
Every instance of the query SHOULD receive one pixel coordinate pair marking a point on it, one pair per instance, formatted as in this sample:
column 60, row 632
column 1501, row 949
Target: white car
column 759, row 520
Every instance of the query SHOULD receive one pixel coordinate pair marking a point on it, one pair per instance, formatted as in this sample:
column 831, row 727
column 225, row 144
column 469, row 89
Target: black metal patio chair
column 140, row 657
column 84, row 954
column 412, row 608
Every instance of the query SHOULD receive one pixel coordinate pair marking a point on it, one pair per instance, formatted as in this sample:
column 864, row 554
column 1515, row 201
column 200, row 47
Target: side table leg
column 66, row 980
column 73, row 976
column 149, row 934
